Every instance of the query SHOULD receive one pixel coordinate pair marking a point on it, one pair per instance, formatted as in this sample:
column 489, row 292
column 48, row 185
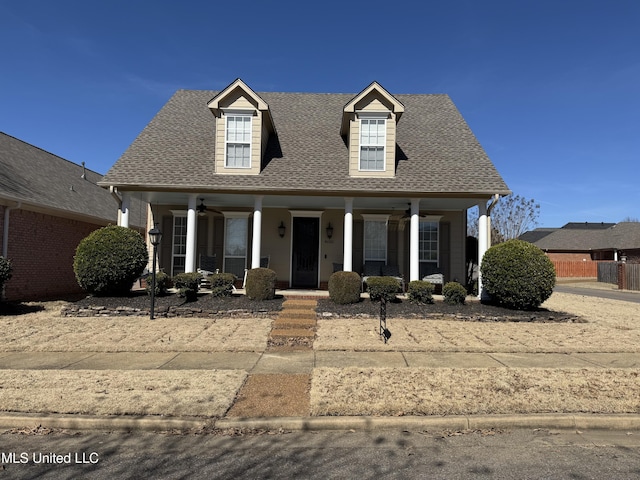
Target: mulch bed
column 206, row 302
column 471, row 311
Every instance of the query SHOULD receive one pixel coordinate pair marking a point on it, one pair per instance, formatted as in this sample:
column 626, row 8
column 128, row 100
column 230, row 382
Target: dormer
column 369, row 123
column 243, row 124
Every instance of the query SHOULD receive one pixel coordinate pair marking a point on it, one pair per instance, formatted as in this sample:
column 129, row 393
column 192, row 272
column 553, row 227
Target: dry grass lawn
column 428, row 391
column 612, row 326
column 207, row 393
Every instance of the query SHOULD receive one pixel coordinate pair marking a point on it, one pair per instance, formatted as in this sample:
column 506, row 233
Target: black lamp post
column 154, row 237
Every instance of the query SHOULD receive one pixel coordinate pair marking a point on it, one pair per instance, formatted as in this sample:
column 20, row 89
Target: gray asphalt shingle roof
column 436, row 150
column 37, row 177
column 621, row 236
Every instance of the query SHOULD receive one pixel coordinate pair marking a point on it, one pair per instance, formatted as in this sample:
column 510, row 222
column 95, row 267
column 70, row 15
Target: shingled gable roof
column 620, row 236
column 41, row 179
column 396, row 106
column 436, row 152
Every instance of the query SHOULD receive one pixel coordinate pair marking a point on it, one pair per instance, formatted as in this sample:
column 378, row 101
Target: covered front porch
column 304, row 239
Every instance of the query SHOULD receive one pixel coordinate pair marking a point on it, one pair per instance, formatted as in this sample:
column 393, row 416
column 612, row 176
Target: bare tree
column 512, row 216
column 631, row 219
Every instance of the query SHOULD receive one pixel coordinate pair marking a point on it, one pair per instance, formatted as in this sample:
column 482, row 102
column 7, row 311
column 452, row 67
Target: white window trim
column 237, row 113
column 433, row 219
column 176, row 214
column 228, row 215
column 373, row 116
column 376, row 217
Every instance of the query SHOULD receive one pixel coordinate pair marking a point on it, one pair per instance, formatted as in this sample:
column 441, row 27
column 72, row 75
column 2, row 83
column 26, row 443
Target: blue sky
column 550, row 88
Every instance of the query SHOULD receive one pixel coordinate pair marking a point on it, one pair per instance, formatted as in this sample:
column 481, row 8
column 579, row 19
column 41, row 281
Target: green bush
column 5, row 271
column 162, row 284
column 344, row 287
column 517, row 275
column 188, row 285
column 454, row 293
column 222, row 284
column 382, row 288
column 420, row 292
column 109, row 260
column 261, row 284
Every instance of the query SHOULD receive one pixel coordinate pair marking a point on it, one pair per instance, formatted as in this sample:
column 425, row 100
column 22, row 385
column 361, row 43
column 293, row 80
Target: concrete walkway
column 303, row 362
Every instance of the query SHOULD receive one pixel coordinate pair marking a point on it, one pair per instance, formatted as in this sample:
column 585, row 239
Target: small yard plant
column 517, row 275
column 454, row 293
column 5, row 271
column 109, row 260
column 163, row 281
column 261, row 284
column 420, row 292
column 344, row 287
column 188, row 285
column 382, row 288
column 222, row 284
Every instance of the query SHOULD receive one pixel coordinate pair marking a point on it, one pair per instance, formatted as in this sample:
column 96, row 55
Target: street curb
column 364, row 423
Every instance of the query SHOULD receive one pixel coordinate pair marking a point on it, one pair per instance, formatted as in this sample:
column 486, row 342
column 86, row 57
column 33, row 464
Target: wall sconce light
column 329, row 230
column 281, row 229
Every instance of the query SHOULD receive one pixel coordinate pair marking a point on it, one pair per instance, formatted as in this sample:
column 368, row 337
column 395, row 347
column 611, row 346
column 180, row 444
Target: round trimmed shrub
column 454, row 293
column 382, row 288
column 261, row 284
column 222, row 284
column 5, row 271
column 188, row 285
column 518, row 275
column 344, row 287
column 420, row 292
column 109, row 260
column 163, row 281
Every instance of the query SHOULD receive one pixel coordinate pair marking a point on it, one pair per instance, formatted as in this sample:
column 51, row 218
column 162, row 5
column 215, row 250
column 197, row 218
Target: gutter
column 114, row 193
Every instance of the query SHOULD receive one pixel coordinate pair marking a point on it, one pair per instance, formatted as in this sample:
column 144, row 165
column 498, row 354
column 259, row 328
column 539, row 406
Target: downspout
column 494, row 202
column 114, row 193
column 5, row 230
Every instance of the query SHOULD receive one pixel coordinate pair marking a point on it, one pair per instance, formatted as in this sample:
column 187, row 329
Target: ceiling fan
column 202, row 208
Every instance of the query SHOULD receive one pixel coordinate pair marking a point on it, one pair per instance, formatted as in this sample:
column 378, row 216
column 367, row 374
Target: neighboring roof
column 532, row 236
column 436, row 151
column 620, row 236
column 38, row 178
column 588, row 225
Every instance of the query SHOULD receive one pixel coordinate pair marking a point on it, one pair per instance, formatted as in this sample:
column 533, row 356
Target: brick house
column 47, row 205
column 310, row 183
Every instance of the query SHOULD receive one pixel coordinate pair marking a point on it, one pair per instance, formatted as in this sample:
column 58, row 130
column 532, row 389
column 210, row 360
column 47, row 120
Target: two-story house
column 311, row 182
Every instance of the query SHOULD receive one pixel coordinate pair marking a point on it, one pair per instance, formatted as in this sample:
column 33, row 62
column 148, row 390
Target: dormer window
column 238, row 140
column 373, row 135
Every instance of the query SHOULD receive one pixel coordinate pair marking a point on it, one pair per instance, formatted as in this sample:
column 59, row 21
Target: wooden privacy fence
column 625, row 275
column 575, row 269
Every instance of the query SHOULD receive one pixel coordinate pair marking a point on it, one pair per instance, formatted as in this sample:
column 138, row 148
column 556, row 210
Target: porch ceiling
column 222, row 201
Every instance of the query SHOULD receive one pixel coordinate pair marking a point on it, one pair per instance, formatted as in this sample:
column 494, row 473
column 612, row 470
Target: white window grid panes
column 428, row 241
column 238, row 139
column 179, row 248
column 375, row 240
column 235, row 245
column 372, row 140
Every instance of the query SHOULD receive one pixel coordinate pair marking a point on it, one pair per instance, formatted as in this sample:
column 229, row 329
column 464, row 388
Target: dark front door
column 305, row 252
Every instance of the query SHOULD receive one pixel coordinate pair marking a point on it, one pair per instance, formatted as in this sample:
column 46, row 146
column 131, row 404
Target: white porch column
column 190, row 256
column 414, row 241
column 257, row 231
column 483, row 240
column 124, row 210
column 348, row 235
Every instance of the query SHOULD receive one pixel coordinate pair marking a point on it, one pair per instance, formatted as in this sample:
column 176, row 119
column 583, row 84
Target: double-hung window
column 375, row 238
column 235, row 243
column 238, row 140
column 372, row 143
column 179, row 246
column 428, row 245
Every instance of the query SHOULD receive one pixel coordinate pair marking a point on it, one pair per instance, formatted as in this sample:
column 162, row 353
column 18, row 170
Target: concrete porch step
column 298, row 313
column 294, row 322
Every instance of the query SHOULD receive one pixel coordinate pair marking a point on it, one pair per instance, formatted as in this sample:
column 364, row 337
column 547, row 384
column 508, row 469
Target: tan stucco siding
column 458, row 240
